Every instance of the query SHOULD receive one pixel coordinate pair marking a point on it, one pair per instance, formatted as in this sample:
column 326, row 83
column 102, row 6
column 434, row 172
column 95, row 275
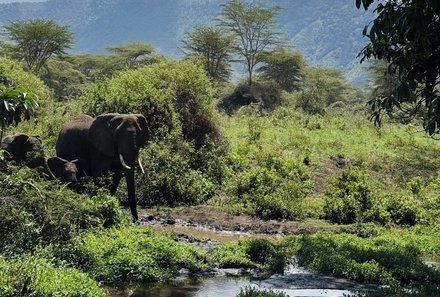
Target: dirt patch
column 215, row 219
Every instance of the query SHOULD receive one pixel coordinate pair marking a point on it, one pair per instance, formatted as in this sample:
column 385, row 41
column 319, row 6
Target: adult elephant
column 27, row 150
column 109, row 143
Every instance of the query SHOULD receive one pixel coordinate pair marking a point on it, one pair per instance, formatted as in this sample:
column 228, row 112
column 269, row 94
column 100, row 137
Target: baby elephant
column 66, row 171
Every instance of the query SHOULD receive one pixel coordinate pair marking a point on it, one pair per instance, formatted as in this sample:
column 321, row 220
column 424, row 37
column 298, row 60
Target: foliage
column 132, row 55
column 322, row 87
column 348, row 198
column 273, row 188
column 406, row 35
column 253, row 25
column 170, row 179
column 283, row 66
column 375, row 260
column 170, row 94
column 38, row 40
column 252, row 292
column 266, row 95
column 34, row 276
column 250, row 253
column 133, row 254
column 214, row 47
column 62, row 77
column 35, row 212
column 14, row 103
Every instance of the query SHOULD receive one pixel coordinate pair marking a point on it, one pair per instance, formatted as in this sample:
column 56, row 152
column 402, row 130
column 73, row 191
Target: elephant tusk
column 123, row 163
column 140, row 165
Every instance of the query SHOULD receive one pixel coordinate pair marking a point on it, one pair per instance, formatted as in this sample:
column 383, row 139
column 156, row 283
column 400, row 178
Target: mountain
column 328, row 33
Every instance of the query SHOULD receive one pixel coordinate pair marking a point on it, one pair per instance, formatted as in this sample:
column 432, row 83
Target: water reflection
column 221, row 286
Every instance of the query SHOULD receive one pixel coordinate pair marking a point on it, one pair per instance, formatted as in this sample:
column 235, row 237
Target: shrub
column 172, row 95
column 134, row 255
column 348, row 198
column 266, row 94
column 274, row 188
column 38, row 212
column 170, row 179
column 372, row 260
column 250, row 253
column 33, row 276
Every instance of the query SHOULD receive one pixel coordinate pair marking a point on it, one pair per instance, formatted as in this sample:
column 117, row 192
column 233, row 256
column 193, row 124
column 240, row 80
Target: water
column 295, row 282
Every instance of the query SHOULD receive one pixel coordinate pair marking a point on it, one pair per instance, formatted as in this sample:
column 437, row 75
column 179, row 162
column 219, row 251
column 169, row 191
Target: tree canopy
column 406, row 33
column 284, row 66
column 214, row 47
column 37, row 40
column 254, row 27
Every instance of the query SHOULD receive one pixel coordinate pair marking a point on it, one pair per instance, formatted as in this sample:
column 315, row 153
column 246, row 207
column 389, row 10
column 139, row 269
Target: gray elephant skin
column 109, row 143
column 67, row 172
column 27, row 150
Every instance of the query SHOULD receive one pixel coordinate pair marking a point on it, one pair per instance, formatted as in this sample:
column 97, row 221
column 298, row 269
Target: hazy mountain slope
column 326, row 32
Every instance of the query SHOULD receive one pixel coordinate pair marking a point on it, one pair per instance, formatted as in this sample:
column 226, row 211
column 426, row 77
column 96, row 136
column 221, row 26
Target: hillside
column 328, row 33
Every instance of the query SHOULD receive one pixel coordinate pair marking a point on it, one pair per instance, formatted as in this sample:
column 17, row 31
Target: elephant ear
column 101, row 134
column 144, row 130
column 56, row 165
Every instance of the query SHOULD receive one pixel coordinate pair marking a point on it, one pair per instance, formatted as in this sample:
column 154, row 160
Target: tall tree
column 38, row 40
column 132, row 54
column 406, row 33
column 214, row 47
column 283, row 66
column 254, row 28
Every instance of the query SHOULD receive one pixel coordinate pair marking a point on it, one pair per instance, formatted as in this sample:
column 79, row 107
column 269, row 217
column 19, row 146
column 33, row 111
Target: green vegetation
column 34, row 276
column 252, row 292
column 292, row 143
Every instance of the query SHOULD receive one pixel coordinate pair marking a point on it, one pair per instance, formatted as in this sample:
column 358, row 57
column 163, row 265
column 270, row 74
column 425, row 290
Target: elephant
column 109, row 143
column 27, row 150
column 67, row 171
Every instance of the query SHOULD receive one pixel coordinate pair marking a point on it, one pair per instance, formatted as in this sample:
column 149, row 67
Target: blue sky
column 10, row 1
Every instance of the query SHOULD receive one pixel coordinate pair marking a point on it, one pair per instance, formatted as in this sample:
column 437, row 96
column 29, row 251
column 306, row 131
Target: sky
column 10, row 1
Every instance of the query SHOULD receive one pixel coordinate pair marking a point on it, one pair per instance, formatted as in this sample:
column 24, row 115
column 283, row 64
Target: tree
column 214, row 47
column 406, row 34
column 283, row 66
column 253, row 26
column 38, row 40
column 133, row 54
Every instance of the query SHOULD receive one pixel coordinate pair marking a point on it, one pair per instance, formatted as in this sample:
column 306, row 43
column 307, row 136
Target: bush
column 266, row 94
column 33, row 276
column 36, row 212
column 273, row 189
column 348, row 198
column 175, row 96
column 372, row 260
column 250, row 253
column 170, row 179
column 134, row 255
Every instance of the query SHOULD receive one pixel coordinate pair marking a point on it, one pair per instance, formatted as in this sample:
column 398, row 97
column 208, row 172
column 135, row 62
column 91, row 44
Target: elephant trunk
column 129, row 176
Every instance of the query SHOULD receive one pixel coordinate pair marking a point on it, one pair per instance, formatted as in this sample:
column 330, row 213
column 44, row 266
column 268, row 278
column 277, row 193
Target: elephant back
column 72, row 142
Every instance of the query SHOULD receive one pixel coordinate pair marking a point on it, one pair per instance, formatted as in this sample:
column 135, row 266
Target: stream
column 295, row 281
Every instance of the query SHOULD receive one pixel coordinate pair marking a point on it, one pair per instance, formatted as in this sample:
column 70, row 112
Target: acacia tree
column 283, row 66
column 254, row 27
column 406, row 34
column 38, row 40
column 214, row 47
column 132, row 54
